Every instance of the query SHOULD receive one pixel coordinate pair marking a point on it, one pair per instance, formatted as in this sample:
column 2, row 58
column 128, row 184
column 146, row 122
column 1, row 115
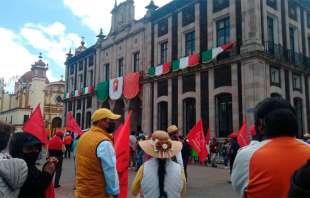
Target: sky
column 28, row 27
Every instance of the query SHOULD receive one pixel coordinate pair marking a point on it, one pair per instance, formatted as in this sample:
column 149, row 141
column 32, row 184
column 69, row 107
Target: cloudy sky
column 28, row 27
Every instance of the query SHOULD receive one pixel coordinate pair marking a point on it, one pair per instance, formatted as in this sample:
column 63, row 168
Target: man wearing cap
column 56, row 149
column 96, row 174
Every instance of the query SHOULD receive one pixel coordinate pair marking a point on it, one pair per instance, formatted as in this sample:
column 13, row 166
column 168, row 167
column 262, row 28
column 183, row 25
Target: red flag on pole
column 197, row 140
column 72, row 125
column 35, row 125
column 123, row 155
column 243, row 135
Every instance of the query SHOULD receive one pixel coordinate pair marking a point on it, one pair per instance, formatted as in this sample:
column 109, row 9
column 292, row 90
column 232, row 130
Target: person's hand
column 50, row 165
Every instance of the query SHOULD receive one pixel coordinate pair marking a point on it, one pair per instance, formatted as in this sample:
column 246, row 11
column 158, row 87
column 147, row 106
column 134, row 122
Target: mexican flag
column 67, row 95
column 159, row 70
column 116, row 88
column 211, row 54
column 88, row 90
column 188, row 61
column 77, row 93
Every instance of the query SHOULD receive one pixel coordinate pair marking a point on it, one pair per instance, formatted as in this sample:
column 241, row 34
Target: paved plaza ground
column 203, row 182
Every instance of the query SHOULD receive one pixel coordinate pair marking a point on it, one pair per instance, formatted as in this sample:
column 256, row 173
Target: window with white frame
column 275, row 77
column 189, row 43
column 223, row 31
column 297, row 82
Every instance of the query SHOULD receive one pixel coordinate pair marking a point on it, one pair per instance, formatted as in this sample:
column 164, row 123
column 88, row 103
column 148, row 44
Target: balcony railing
column 284, row 55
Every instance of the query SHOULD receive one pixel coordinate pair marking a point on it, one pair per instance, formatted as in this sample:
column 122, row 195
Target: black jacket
column 36, row 184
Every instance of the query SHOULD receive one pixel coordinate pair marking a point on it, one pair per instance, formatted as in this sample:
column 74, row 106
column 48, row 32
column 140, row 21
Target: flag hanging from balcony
column 88, row 90
column 183, row 63
column 159, row 70
column 102, row 91
column 77, row 93
column 211, row 54
column 67, row 95
column 116, row 88
column 131, row 85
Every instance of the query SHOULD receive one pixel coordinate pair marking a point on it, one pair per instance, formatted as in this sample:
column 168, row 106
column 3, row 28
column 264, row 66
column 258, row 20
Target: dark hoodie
column 37, row 181
column 300, row 182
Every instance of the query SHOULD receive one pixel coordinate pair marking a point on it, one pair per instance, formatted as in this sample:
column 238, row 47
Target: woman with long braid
column 160, row 177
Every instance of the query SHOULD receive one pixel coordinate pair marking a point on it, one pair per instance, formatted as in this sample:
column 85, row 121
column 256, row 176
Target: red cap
column 59, row 132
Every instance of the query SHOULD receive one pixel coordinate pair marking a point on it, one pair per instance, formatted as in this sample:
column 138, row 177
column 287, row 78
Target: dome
column 26, row 77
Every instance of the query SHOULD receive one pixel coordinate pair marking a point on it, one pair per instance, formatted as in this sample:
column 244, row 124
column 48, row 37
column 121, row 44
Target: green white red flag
column 197, row 140
column 188, row 61
column 211, row 54
column 67, row 95
column 122, row 151
column 77, row 93
column 88, row 90
column 159, row 70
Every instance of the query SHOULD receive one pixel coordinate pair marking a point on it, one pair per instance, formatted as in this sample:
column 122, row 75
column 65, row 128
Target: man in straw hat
column 96, row 174
column 173, row 132
column 160, row 176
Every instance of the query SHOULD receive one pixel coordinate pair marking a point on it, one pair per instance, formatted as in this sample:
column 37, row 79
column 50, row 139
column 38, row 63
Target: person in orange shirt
column 263, row 169
column 68, row 142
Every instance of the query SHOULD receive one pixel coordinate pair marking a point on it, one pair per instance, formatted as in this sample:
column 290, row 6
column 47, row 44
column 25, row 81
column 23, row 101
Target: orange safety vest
column 90, row 181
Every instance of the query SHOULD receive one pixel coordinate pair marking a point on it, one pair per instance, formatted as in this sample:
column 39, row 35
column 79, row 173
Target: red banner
column 243, row 135
column 35, row 125
column 123, row 155
column 72, row 125
column 131, row 85
column 197, row 140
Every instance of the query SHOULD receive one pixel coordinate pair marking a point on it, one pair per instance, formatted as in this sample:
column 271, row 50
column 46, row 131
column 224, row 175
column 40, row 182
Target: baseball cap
column 104, row 113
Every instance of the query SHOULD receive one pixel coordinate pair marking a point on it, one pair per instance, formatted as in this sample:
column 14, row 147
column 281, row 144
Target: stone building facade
column 269, row 58
column 31, row 89
column 80, row 75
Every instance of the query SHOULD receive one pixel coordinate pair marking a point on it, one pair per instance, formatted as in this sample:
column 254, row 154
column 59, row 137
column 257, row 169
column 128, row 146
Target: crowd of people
column 274, row 164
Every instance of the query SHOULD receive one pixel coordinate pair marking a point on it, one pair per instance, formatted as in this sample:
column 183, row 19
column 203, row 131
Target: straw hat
column 307, row 135
column 161, row 146
column 172, row 129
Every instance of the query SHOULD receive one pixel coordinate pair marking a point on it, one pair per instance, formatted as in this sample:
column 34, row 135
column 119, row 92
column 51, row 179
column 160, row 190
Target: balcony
column 229, row 53
column 286, row 56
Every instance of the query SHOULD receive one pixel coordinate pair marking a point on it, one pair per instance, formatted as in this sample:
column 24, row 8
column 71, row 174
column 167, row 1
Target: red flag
column 197, row 140
column 35, row 125
column 243, row 135
column 72, row 125
column 123, row 155
column 131, row 85
column 253, row 130
column 50, row 191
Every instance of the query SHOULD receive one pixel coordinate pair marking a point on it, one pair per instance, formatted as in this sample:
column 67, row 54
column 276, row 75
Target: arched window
column 162, row 121
column 299, row 112
column 189, row 114
column 223, row 115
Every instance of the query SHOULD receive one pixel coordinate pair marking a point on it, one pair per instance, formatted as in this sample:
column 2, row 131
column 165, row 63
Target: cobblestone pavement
column 203, row 182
